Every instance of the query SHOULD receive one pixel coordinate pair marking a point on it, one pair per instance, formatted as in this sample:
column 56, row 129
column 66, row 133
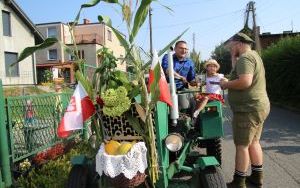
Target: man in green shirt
column 250, row 104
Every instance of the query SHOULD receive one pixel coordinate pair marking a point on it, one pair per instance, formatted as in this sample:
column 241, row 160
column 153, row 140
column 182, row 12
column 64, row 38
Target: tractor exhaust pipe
column 174, row 109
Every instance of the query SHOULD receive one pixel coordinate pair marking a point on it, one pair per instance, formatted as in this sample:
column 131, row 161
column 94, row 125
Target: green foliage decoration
column 116, row 101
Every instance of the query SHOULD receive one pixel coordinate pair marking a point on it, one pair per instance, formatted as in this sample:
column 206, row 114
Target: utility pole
column 194, row 42
column 255, row 29
column 150, row 28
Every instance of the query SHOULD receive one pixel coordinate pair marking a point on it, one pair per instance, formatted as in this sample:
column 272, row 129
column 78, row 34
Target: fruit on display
column 111, row 147
column 124, row 148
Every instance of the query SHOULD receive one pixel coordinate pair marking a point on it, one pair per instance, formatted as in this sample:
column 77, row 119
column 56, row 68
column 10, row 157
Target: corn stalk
column 134, row 18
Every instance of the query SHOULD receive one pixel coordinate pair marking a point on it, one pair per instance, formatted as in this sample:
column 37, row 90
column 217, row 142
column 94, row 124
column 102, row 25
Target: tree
column 222, row 55
column 197, row 60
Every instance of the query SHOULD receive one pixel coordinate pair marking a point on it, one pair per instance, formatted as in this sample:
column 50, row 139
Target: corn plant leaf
column 135, row 123
column 105, row 19
column 161, row 52
column 139, row 18
column 141, row 111
column 76, row 18
column 135, row 91
column 30, row 50
column 166, row 7
column 121, row 76
column 85, row 83
column 167, row 47
column 91, row 4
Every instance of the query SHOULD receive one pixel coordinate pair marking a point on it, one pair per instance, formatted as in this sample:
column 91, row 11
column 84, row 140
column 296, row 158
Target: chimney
column 86, row 21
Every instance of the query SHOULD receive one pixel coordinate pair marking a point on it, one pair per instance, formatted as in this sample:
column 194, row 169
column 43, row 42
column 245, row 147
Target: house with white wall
column 88, row 37
column 16, row 33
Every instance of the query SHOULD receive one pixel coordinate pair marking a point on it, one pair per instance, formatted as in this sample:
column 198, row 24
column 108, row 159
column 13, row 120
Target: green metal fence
column 28, row 125
column 32, row 122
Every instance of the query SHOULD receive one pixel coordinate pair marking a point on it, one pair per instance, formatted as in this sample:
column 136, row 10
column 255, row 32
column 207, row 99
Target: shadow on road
column 281, row 130
column 288, row 150
column 273, row 135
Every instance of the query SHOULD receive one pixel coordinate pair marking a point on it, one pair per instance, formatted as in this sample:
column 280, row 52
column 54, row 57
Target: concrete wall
column 66, row 34
column 89, row 37
column 21, row 38
column 42, row 55
column 90, row 31
column 116, row 47
column 102, row 31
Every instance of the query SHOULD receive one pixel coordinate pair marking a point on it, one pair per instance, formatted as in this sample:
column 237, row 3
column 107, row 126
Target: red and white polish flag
column 79, row 110
column 165, row 95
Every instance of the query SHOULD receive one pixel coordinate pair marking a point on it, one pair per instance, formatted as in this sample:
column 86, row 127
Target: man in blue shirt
column 184, row 68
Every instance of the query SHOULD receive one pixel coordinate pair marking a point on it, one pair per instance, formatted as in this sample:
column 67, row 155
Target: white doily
column 131, row 163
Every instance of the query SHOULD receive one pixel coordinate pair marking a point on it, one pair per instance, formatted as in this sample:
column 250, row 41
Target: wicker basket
column 121, row 181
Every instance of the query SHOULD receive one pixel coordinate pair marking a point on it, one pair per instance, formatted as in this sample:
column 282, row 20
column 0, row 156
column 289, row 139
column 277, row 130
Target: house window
column 52, row 54
column 79, row 53
column 82, row 54
column 109, row 35
column 11, row 58
column 71, row 57
column 52, row 32
column 6, row 23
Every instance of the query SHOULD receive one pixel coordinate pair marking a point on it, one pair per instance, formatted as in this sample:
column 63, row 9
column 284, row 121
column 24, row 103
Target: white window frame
column 80, row 55
column 17, row 65
column 109, row 35
column 9, row 22
column 52, row 27
column 71, row 57
column 49, row 55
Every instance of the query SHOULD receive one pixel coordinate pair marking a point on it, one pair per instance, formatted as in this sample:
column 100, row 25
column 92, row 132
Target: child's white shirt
column 212, row 85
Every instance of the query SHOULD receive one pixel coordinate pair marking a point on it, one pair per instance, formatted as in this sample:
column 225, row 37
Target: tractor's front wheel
column 214, row 148
column 212, row 177
column 78, row 177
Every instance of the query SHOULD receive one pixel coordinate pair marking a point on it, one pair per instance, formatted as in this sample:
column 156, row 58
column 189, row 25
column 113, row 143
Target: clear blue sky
column 212, row 21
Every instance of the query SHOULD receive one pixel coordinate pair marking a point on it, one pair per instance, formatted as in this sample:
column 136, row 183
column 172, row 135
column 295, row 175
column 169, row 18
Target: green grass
column 19, row 91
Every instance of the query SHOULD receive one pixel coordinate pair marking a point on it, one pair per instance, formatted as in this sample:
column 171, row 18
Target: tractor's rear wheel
column 214, row 148
column 78, row 177
column 212, row 177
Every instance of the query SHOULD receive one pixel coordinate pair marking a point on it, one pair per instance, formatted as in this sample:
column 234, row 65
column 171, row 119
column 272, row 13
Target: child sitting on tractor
column 213, row 89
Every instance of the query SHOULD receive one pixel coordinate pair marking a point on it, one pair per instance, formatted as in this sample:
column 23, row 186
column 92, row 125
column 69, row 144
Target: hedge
column 282, row 64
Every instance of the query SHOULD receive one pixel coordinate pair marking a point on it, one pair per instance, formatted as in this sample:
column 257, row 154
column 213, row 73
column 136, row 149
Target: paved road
column 281, row 146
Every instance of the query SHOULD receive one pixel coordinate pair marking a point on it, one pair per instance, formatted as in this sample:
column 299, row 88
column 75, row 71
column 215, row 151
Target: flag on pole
column 79, row 110
column 165, row 95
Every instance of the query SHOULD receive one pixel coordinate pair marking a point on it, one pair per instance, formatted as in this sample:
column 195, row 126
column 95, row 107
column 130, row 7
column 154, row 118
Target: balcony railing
column 89, row 39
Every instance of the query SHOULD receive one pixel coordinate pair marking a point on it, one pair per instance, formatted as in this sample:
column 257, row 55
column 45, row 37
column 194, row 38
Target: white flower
column 25, row 165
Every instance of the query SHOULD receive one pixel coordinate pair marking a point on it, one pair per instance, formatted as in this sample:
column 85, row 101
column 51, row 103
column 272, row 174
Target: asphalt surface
column 281, row 148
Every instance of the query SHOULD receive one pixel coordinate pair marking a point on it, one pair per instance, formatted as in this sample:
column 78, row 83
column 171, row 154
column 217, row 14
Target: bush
column 54, row 173
column 282, row 64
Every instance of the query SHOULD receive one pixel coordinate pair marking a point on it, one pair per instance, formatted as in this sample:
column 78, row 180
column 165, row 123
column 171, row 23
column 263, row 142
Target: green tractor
column 181, row 150
column 189, row 151
column 194, row 149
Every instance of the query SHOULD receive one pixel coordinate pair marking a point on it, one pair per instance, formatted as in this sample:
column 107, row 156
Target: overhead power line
column 199, row 20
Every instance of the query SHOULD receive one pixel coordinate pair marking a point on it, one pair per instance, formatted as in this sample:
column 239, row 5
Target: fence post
column 85, row 133
column 4, row 152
